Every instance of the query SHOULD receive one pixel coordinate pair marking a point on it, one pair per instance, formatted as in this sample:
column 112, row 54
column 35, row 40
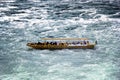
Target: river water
column 28, row 21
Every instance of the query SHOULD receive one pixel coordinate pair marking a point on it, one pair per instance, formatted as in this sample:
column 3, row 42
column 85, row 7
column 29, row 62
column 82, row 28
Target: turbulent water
column 23, row 21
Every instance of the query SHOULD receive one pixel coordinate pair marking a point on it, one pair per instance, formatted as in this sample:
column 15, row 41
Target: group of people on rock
column 62, row 43
column 46, row 43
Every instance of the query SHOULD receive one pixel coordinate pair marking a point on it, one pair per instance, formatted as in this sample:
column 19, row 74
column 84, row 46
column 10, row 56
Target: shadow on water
column 32, row 49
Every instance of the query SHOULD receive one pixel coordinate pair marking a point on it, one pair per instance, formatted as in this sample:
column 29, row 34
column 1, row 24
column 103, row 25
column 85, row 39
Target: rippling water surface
column 27, row 21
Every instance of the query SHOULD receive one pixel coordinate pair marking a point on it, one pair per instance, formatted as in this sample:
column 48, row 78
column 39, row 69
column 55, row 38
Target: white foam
column 7, row 0
column 34, row 0
column 3, row 9
column 8, row 18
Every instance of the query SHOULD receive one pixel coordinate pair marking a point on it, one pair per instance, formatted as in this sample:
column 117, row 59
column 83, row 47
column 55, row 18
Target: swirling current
column 23, row 21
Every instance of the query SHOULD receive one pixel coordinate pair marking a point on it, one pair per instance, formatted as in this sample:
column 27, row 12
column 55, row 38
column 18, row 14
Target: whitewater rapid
column 28, row 21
